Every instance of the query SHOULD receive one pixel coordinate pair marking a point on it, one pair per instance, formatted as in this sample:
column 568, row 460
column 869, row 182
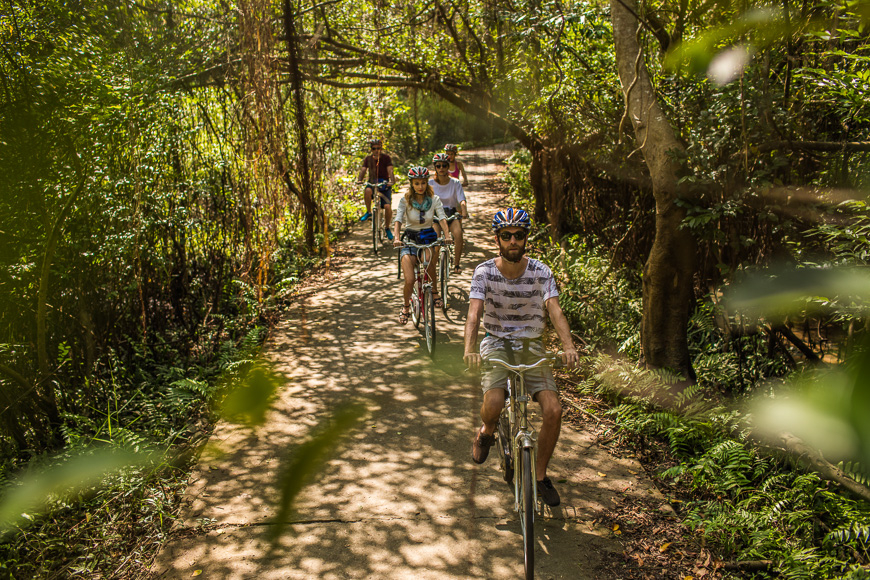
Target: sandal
column 457, row 270
column 404, row 315
column 437, row 302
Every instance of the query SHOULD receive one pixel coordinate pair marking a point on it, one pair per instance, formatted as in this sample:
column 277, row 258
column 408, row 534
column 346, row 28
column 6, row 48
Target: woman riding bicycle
column 456, row 166
column 453, row 197
column 418, row 210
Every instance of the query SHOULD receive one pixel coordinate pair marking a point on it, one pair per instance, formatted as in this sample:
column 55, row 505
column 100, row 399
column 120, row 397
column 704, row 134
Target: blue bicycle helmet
column 511, row 217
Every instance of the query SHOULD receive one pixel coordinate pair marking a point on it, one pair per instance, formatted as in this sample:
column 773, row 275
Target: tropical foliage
column 170, row 170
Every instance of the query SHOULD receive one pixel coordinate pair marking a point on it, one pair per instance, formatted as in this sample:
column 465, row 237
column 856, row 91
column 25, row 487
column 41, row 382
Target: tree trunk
column 306, row 196
column 667, row 274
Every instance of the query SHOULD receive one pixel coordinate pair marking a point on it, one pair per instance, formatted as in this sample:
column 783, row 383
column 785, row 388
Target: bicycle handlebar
column 523, row 368
column 375, row 185
column 438, row 242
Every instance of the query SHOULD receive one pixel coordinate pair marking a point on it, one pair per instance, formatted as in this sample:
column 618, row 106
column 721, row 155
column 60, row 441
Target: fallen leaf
column 665, row 547
column 197, row 572
column 602, row 474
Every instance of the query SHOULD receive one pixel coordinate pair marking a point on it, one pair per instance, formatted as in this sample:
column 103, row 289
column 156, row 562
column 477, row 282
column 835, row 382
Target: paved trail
column 401, row 499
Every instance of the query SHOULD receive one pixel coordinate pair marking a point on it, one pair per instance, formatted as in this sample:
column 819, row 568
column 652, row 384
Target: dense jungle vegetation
column 698, row 171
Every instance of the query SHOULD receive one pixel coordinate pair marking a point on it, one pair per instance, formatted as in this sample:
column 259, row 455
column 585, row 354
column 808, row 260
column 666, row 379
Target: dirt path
column 402, row 498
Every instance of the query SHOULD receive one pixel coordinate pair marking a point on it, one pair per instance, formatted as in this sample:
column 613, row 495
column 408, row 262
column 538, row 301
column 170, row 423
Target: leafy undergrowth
column 156, row 408
column 741, row 511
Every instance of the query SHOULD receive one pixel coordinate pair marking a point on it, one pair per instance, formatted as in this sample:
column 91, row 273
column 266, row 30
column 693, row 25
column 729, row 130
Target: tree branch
column 820, row 465
column 834, row 146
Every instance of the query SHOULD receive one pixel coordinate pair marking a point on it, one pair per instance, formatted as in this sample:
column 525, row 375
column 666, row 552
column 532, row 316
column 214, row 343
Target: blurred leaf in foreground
column 251, row 395
column 826, row 407
column 34, row 490
column 816, row 408
column 304, row 462
column 778, row 292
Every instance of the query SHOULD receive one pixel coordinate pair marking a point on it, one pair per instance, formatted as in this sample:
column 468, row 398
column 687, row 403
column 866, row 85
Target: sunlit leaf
column 816, row 408
column 781, row 291
column 695, row 56
column 35, row 490
column 251, row 396
column 728, row 65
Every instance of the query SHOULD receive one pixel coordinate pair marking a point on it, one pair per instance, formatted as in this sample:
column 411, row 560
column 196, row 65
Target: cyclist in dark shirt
column 379, row 168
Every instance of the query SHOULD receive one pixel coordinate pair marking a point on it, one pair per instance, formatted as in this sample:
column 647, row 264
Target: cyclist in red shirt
column 379, row 167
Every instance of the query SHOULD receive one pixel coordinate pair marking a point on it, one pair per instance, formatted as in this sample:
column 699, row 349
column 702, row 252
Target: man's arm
column 362, row 172
column 390, row 178
column 472, row 325
column 560, row 323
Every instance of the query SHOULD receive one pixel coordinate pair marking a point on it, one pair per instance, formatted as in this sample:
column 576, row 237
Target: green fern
column 856, row 471
column 849, row 534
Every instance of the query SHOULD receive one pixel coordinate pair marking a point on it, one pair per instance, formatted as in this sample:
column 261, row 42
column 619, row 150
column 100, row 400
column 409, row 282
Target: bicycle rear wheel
column 429, row 321
column 527, row 513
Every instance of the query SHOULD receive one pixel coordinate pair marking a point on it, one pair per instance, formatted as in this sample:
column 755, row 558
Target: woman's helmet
column 418, row 173
column 451, row 147
column 441, row 157
column 511, row 218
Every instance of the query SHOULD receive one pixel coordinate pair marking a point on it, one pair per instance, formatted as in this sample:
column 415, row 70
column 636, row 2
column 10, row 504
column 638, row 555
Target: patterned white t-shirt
column 514, row 308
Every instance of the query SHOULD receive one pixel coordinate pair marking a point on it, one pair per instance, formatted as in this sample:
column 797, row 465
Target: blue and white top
column 409, row 216
column 514, row 308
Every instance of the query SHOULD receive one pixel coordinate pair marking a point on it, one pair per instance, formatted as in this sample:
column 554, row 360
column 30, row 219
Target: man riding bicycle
column 379, row 167
column 453, row 198
column 512, row 293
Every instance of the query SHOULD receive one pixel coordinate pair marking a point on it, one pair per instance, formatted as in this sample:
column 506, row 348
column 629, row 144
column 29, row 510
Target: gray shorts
column 536, row 380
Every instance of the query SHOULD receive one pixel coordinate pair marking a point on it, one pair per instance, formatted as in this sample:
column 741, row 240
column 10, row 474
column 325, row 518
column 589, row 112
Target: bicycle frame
column 523, row 434
column 422, row 302
column 376, row 211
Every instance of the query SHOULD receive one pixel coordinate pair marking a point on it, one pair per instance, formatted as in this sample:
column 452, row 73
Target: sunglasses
column 376, row 148
column 441, row 165
column 506, row 236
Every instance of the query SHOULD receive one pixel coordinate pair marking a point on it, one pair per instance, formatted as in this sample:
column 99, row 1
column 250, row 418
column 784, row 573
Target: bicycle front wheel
column 527, row 514
column 445, row 276
column 415, row 308
column 504, row 449
column 429, row 323
column 376, row 225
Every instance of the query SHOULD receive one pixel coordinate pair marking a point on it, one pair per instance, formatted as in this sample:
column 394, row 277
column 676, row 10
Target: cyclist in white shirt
column 453, row 198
